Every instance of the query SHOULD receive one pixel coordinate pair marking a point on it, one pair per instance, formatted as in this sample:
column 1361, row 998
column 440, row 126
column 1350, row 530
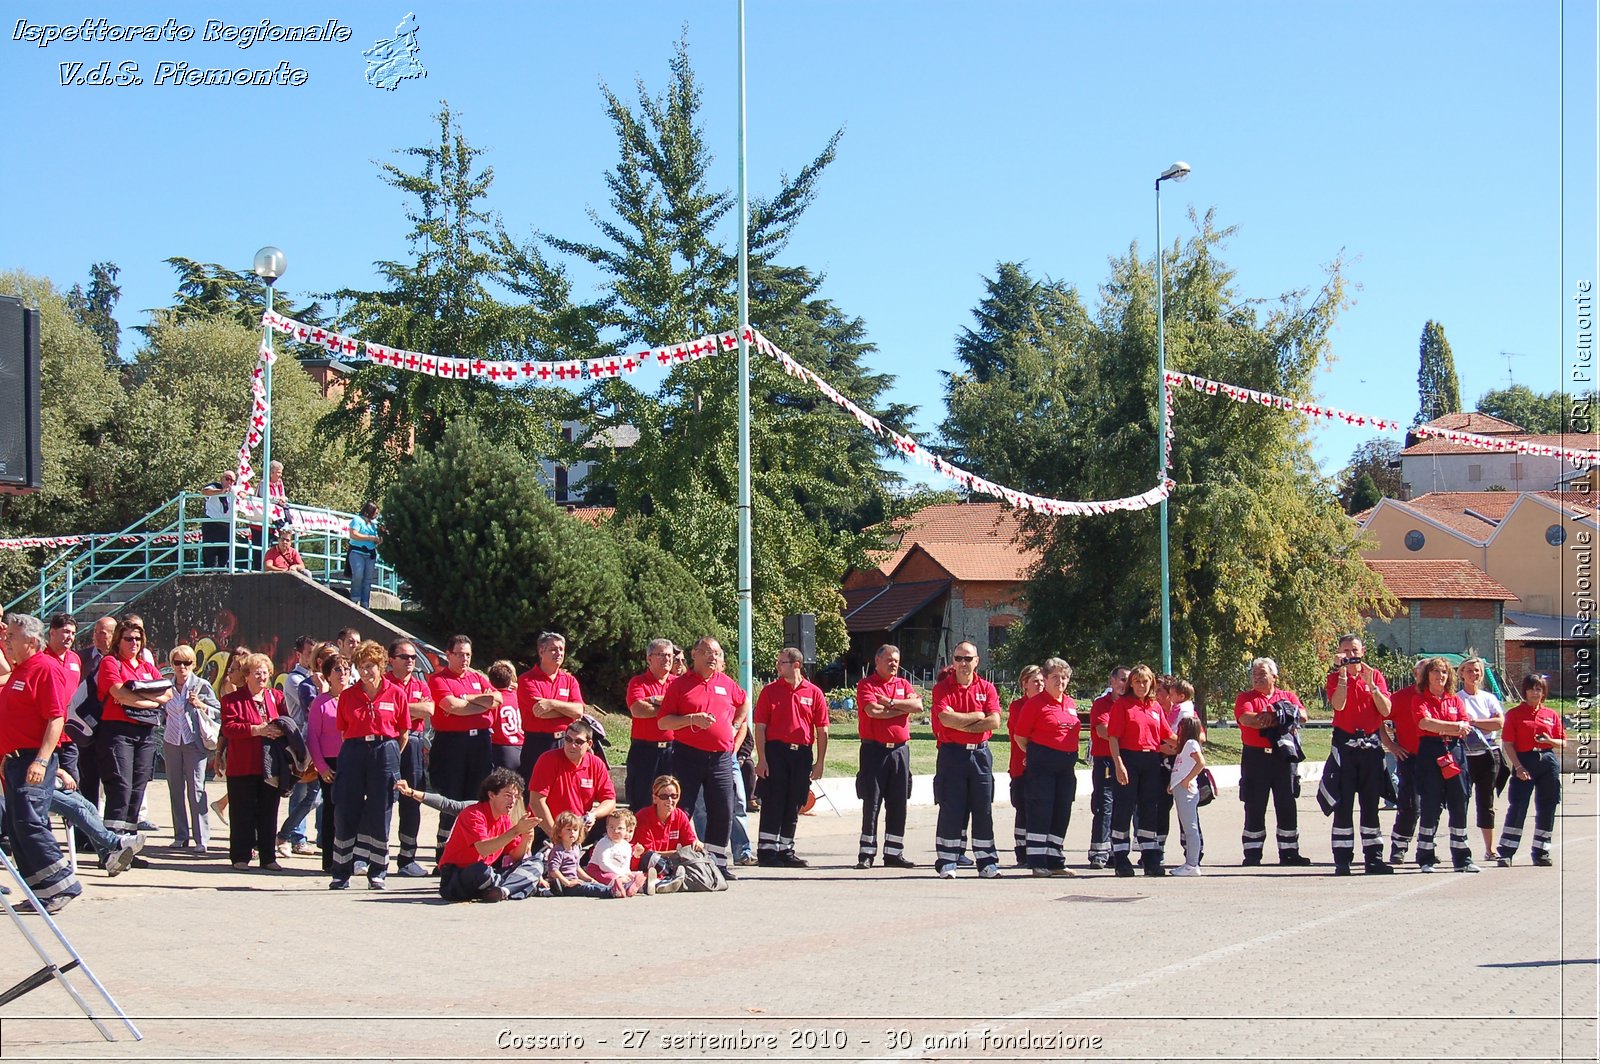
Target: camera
column 1357, row 660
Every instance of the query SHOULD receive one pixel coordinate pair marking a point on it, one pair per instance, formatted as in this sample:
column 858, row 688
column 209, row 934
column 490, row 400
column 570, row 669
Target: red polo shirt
column 979, row 696
column 1403, row 712
column 1360, row 713
column 1138, row 726
column 536, row 684
column 35, row 693
column 1043, row 720
column 72, row 667
column 114, row 672
column 413, row 689
column 718, row 696
column 1253, row 701
column 477, row 823
column 1100, row 715
column 792, row 714
column 505, row 726
column 384, row 713
column 874, row 690
column 569, row 788
column 1439, row 707
column 1523, row 722
column 239, row 714
column 643, row 686
column 1019, row 757
column 657, row 837
column 446, row 684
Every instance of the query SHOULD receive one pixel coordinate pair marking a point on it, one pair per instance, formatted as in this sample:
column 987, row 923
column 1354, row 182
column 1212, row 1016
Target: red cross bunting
column 430, row 366
column 412, row 362
column 318, row 336
column 729, row 342
column 612, row 367
column 678, row 353
column 629, row 364
column 663, row 356
column 527, row 370
column 479, row 366
column 544, row 372
column 563, row 372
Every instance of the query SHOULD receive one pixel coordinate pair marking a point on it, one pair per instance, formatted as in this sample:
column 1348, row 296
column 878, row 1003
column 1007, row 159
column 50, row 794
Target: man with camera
column 1360, row 699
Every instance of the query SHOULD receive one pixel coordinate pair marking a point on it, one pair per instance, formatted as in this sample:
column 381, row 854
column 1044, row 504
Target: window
column 997, row 635
column 1518, row 471
column 1415, row 539
column 1474, row 473
column 1555, row 535
column 1547, row 660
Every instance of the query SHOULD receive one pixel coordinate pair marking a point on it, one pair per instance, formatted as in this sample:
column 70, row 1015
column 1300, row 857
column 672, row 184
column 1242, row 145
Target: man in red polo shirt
column 791, row 715
column 33, row 709
column 651, row 748
column 1360, row 699
column 703, row 709
column 885, row 701
column 966, row 710
column 1262, row 772
column 572, row 779
column 1102, row 772
column 419, row 706
column 463, row 702
column 549, row 697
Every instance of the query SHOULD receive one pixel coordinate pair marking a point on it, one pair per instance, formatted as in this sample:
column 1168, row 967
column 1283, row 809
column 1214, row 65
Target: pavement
column 832, row 963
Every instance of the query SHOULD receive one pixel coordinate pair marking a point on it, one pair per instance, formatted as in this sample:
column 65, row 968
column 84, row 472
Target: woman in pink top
column 323, row 739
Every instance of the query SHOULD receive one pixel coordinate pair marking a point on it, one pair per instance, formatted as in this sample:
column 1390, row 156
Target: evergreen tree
column 97, row 307
column 448, row 301
column 1365, row 496
column 206, row 290
column 1377, row 461
column 670, row 275
column 1437, row 386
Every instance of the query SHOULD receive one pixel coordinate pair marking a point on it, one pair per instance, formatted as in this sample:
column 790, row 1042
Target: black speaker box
column 800, row 632
column 21, row 465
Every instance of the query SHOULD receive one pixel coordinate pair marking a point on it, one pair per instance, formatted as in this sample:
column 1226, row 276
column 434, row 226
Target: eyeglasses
column 402, row 657
column 668, row 797
column 183, row 664
column 574, row 740
column 132, row 637
column 966, row 657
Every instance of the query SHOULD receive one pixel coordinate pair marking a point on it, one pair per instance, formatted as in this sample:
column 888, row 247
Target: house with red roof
column 952, row 572
column 1433, row 465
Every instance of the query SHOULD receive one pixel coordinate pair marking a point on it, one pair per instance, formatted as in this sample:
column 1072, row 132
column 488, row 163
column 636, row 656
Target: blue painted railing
column 168, row 542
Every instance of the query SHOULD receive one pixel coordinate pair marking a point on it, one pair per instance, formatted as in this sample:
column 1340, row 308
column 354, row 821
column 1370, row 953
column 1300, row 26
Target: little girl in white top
column 1186, row 768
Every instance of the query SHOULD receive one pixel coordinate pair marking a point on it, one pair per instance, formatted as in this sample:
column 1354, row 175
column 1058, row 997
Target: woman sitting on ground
column 661, row 829
column 486, row 857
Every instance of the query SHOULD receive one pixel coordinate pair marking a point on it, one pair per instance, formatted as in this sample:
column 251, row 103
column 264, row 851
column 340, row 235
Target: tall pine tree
column 1437, row 386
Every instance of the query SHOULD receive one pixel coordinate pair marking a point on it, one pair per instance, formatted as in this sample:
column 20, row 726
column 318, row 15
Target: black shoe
column 1155, row 870
column 896, row 861
column 1253, row 861
column 1397, row 857
column 1341, row 868
column 790, row 859
column 1542, row 859
column 145, row 825
column 863, row 862
column 768, row 860
column 1124, row 868
column 728, row 874
column 1378, row 868
column 1294, row 860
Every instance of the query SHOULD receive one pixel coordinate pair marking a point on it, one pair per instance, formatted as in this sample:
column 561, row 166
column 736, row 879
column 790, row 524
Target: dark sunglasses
column 966, row 657
column 402, row 657
column 668, row 797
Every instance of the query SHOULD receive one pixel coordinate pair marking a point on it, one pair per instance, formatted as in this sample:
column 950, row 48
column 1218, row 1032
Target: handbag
column 1206, row 784
column 207, row 729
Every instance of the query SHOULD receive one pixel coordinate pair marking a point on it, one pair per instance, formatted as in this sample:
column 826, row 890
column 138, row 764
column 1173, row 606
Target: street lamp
column 269, row 266
column 1178, row 171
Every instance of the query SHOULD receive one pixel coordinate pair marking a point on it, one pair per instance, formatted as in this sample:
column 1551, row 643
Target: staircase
column 107, row 572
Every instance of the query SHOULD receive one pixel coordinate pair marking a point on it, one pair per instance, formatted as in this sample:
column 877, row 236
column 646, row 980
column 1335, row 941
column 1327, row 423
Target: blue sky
column 1445, row 149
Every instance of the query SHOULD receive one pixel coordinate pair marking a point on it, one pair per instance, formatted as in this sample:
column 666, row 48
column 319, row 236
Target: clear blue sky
column 1423, row 141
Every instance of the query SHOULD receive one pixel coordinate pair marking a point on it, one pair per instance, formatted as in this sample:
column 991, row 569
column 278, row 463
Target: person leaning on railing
column 365, row 532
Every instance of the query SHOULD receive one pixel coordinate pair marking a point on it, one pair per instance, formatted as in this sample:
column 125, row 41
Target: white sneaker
column 1186, row 870
column 948, row 872
column 118, row 860
column 989, row 871
column 360, row 868
column 412, row 869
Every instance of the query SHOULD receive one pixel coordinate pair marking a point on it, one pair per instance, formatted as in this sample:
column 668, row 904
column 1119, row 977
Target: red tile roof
column 1422, row 578
column 1475, row 421
column 591, row 515
column 977, row 538
column 883, row 609
column 1490, row 505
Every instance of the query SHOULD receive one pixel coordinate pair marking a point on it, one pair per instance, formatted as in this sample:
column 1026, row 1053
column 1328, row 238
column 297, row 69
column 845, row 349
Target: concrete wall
column 1479, row 472
column 1443, row 627
column 975, row 606
column 266, row 612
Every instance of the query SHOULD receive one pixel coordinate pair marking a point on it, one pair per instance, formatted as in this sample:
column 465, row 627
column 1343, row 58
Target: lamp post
column 1176, row 172
column 269, row 266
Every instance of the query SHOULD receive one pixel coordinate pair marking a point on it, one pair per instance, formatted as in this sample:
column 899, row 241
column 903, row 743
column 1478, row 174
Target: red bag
column 1448, row 767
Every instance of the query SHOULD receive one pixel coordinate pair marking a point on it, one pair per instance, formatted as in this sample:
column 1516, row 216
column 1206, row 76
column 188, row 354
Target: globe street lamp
column 269, row 266
column 1178, row 171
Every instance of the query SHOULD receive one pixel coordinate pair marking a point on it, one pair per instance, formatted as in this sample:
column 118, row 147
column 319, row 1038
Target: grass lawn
column 844, row 746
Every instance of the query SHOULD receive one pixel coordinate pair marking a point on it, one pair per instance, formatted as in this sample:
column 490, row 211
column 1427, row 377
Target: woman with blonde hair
column 184, row 752
column 249, row 718
column 1030, row 683
column 1441, row 723
column 1483, row 745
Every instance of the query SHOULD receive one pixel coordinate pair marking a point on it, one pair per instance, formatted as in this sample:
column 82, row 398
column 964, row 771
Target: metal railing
column 172, row 540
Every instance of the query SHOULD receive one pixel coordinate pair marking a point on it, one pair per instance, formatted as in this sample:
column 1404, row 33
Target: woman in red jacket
column 248, row 716
column 126, row 743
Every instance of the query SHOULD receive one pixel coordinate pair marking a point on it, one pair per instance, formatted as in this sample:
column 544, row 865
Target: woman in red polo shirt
column 126, row 743
column 1137, row 731
column 1047, row 728
column 1532, row 737
column 1030, row 683
column 1441, row 722
column 247, row 718
column 373, row 718
column 663, row 827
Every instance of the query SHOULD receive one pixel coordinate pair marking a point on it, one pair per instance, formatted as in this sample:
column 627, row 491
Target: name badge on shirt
column 476, row 687
column 585, row 782
column 386, row 705
column 19, row 685
column 806, row 700
column 981, row 696
column 672, row 835
column 75, row 667
column 720, row 690
column 562, row 692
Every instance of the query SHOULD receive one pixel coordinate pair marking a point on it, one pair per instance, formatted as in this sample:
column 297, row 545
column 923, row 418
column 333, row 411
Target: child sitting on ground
column 612, row 859
column 566, row 872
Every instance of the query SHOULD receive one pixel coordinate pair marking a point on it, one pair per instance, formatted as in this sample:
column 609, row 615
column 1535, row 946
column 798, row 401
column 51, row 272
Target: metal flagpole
column 746, row 649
